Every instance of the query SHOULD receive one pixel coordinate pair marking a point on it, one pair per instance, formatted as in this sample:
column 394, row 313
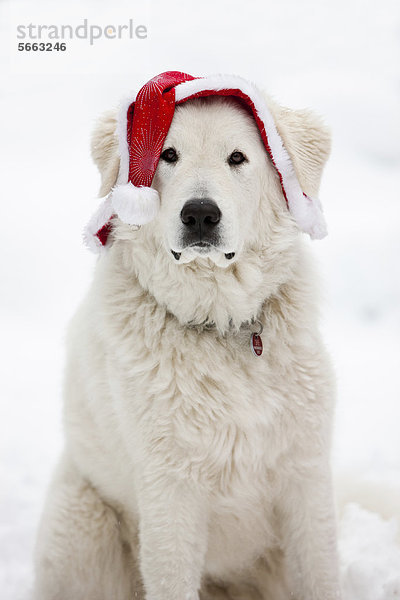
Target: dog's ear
column 308, row 142
column 104, row 147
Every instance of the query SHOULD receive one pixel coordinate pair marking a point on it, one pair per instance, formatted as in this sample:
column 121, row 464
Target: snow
column 340, row 58
column 369, row 556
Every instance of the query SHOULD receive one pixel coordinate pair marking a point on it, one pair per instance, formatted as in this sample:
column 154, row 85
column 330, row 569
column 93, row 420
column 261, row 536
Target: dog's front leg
column 173, row 537
column 309, row 535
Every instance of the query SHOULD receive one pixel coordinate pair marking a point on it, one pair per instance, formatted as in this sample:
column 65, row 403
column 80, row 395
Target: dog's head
column 222, row 207
column 210, row 178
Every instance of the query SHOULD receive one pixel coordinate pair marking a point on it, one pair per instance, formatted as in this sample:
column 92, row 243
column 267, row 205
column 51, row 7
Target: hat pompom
column 135, row 205
column 309, row 216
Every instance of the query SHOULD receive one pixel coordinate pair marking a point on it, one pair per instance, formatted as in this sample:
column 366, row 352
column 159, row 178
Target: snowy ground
column 341, row 58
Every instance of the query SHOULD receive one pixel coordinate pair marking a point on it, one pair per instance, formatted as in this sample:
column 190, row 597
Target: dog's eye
column 169, row 155
column 236, row 158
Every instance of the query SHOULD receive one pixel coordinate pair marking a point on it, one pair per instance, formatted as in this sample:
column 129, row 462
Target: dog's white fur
column 191, row 464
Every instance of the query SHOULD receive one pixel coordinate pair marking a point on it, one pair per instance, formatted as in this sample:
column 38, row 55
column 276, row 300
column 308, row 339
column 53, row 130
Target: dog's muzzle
column 200, row 219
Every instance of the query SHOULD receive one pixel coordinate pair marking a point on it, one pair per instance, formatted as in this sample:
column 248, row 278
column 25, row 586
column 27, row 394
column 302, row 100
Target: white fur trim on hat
column 100, row 218
column 135, row 205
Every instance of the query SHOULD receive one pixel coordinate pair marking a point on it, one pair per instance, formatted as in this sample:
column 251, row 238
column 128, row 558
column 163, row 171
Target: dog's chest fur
column 155, row 395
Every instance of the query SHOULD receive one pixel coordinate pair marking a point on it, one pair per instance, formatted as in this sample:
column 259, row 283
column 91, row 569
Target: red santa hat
column 143, row 124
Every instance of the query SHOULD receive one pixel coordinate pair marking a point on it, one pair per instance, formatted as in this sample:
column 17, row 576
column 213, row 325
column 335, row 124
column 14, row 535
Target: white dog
column 192, row 468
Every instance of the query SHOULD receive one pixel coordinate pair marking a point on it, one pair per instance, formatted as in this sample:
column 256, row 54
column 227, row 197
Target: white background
column 340, row 58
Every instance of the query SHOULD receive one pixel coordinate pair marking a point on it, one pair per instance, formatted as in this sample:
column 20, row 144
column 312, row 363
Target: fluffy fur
column 193, row 469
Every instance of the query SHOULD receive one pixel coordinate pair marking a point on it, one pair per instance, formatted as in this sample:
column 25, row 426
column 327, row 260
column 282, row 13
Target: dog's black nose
column 200, row 216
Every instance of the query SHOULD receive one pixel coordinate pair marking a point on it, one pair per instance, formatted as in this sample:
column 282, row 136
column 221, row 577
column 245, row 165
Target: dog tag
column 256, row 344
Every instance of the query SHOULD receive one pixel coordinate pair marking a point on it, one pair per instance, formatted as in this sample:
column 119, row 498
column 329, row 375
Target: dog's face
column 210, row 178
column 223, row 240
